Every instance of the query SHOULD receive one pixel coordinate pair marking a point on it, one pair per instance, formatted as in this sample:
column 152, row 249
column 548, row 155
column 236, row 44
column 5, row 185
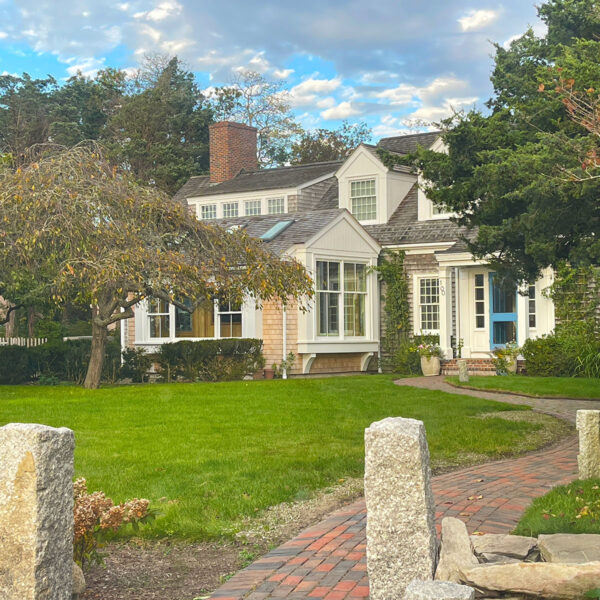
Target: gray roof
column 266, row 179
column 405, row 144
column 192, row 187
column 305, row 225
column 404, row 226
column 399, row 168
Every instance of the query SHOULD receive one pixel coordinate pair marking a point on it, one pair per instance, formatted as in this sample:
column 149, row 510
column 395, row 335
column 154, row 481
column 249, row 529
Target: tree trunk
column 94, row 372
column 31, row 318
column 11, row 326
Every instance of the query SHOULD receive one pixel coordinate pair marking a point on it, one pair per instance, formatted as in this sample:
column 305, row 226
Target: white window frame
column 351, row 198
column 219, row 312
column 227, row 208
column 531, row 300
column 341, row 294
column 276, row 199
column 416, row 294
column 201, row 207
column 169, row 314
column 256, row 204
column 484, row 287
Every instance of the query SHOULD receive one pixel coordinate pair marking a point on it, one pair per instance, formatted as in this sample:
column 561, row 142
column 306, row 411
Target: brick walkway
column 329, row 560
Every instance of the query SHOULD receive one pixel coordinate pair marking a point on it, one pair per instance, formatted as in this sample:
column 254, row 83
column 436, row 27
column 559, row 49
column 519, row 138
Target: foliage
column 397, row 338
column 136, row 363
column 404, row 359
column 505, row 357
column 328, row 144
column 427, row 349
column 210, row 360
column 514, row 175
column 572, row 350
column 572, row 508
column 15, row 365
column 97, row 517
column 77, row 229
column 215, row 453
column 256, row 101
column 284, row 366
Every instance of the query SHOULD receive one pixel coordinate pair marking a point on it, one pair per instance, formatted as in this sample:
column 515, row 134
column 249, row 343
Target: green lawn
column 573, row 508
column 545, row 387
column 208, row 454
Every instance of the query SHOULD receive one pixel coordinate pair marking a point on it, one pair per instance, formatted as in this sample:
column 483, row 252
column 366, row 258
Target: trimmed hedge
column 210, row 360
column 66, row 361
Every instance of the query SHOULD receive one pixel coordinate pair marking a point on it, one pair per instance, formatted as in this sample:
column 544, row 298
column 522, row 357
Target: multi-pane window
column 159, row 318
column 429, row 303
column 479, row 301
column 230, row 319
column 230, row 209
column 208, row 211
column 197, row 324
column 328, row 297
column 355, row 295
column 363, row 199
column 531, row 306
column 275, row 206
column 252, row 207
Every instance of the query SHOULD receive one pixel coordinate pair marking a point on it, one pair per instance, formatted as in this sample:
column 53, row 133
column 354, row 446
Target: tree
column 254, row 100
column 85, row 231
column 508, row 174
column 328, row 144
column 161, row 131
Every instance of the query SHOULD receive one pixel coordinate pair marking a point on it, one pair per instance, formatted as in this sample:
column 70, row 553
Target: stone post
column 463, row 370
column 401, row 537
column 588, row 459
column 36, row 512
column 438, row 590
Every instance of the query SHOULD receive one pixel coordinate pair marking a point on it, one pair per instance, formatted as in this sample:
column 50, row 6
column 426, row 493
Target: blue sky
column 396, row 64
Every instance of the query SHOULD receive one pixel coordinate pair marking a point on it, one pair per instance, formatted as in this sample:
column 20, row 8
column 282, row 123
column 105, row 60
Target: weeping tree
column 77, row 229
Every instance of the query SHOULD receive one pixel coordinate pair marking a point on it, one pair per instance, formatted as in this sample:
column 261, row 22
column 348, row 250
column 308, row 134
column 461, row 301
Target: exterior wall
column 232, row 148
column 311, row 196
column 336, row 363
column 416, row 265
column 272, row 319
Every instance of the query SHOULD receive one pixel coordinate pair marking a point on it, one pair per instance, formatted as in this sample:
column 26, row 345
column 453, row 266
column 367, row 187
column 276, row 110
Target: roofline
column 409, row 135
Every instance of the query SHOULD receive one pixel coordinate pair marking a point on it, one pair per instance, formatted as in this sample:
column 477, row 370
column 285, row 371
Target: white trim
column 417, row 330
column 317, row 180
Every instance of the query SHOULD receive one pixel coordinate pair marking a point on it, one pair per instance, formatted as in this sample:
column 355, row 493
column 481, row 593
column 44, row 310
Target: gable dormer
column 368, row 189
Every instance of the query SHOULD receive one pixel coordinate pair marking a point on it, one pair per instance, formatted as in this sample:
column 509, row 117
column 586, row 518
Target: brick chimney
column 232, row 147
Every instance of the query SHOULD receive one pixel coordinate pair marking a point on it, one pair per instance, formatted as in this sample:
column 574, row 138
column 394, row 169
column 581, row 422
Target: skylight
column 278, row 228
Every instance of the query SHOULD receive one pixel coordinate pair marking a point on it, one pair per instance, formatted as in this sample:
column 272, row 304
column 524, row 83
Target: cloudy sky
column 390, row 63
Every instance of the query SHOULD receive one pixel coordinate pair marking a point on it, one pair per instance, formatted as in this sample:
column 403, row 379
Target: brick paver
column 328, row 561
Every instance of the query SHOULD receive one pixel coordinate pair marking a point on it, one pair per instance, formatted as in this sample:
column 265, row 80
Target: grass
column 573, row 508
column 544, row 387
column 209, row 454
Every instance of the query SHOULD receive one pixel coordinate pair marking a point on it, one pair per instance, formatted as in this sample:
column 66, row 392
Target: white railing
column 27, row 342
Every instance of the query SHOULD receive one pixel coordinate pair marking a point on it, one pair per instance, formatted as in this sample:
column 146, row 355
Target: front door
column 503, row 313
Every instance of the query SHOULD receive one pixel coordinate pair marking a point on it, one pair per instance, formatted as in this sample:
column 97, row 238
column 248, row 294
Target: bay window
column 341, row 297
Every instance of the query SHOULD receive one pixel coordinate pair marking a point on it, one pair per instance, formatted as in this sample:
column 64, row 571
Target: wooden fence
column 26, row 342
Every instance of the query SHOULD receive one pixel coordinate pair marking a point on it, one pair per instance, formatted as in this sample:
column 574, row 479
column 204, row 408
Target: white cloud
column 308, row 92
column 343, row 110
column 88, row 67
column 282, row 73
column 163, row 11
column 475, row 20
column 3, row 35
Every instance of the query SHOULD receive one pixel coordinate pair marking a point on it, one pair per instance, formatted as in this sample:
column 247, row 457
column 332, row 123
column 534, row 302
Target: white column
column 446, row 311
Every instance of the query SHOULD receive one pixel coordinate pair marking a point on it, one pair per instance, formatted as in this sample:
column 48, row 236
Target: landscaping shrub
column 210, row 360
column 136, row 363
column 57, row 359
column 572, row 351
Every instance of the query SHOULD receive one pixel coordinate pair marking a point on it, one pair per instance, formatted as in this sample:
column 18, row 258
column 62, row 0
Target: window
column 355, row 294
column 230, row 320
column 275, row 206
column 198, row 324
column 531, row 306
column 230, row 209
column 363, row 199
column 479, row 301
column 159, row 318
column 328, row 297
column 208, row 211
column 429, row 303
column 253, row 207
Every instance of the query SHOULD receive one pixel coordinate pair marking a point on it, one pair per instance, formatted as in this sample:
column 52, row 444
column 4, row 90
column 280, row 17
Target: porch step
column 475, row 366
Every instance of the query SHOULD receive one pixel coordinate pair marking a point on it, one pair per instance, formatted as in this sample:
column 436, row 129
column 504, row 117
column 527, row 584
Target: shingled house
column 335, row 218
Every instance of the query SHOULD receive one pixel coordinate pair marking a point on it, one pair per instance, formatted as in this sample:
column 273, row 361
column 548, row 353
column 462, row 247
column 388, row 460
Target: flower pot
column 430, row 365
column 511, row 366
column 269, row 373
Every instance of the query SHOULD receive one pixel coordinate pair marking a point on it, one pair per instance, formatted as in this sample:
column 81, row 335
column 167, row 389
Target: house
column 336, row 218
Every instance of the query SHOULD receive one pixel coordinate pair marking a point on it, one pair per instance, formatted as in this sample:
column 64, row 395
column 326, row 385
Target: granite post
column 401, row 537
column 36, row 512
column 588, row 459
column 438, row 590
column 463, row 370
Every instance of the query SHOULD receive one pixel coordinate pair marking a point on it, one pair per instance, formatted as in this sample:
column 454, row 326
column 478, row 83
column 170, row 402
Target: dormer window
column 253, row 207
column 363, row 200
column 230, row 209
column 276, row 206
column 208, row 211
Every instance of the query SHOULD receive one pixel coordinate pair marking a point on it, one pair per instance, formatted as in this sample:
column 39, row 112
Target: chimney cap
column 220, row 124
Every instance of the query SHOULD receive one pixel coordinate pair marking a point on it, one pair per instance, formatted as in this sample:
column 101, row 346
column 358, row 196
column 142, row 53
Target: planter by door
column 430, row 366
column 511, row 366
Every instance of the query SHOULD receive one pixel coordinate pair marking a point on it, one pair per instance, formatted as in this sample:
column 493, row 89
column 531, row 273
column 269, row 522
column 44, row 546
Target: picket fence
column 27, row 342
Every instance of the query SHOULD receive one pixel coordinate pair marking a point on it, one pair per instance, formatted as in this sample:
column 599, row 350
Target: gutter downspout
column 457, row 307
column 284, row 374
column 122, row 328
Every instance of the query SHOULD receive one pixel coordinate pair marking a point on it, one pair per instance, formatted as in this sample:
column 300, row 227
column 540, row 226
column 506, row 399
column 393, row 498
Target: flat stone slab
column 545, row 580
column 513, row 546
column 456, row 550
column 570, row 548
column 438, row 590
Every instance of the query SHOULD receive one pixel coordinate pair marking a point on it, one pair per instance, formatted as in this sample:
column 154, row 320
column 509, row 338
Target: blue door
column 503, row 313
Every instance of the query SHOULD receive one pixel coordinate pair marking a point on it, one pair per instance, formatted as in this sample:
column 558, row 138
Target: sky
column 398, row 65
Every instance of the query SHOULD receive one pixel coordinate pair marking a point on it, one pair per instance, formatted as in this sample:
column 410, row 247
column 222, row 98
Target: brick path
column 328, row 560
